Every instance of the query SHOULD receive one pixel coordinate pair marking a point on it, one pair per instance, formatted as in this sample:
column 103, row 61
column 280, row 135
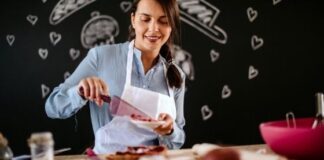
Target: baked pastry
column 135, row 152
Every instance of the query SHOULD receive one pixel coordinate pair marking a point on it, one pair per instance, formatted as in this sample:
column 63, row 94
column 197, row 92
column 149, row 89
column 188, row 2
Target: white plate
column 146, row 124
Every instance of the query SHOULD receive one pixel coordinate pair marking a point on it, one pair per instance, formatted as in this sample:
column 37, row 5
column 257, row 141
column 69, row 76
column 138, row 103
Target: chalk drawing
column 32, row 19
column 253, row 72
column 45, row 90
column 201, row 15
column 55, row 37
column 44, row 1
column 275, row 2
column 99, row 30
column 10, row 39
column 252, row 14
column 183, row 59
column 64, row 8
column 43, row 53
column 214, row 56
column 125, row 6
column 74, row 53
column 256, row 42
column 206, row 112
column 226, row 92
column 67, row 74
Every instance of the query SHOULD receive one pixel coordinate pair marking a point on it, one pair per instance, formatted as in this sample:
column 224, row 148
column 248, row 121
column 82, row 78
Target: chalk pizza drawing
column 206, row 112
column 10, row 39
column 32, row 19
column 252, row 14
column 202, row 15
column 65, row 8
column 184, row 61
column 43, row 53
column 74, row 53
column 125, row 6
column 99, row 30
column 256, row 42
column 45, row 90
column 214, row 56
column 253, row 72
column 55, row 37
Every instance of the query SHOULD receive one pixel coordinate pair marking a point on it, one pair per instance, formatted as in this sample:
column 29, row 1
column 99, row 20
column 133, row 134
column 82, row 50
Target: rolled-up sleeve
column 64, row 101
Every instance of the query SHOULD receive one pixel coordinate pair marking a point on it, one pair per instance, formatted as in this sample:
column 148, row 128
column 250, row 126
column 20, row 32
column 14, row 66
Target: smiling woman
column 152, row 83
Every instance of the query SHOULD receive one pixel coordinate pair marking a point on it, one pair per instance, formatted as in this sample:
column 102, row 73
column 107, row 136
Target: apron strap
column 129, row 63
column 129, row 67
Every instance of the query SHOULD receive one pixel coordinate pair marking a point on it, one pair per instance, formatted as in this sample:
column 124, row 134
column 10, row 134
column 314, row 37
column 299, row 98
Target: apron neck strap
column 129, row 67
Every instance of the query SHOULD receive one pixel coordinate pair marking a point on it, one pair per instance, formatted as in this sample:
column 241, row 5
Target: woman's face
column 151, row 26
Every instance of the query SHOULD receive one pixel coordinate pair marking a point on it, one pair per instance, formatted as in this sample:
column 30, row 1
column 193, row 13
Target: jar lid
column 41, row 138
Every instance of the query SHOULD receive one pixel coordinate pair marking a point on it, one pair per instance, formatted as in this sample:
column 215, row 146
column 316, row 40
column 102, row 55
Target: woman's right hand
column 92, row 88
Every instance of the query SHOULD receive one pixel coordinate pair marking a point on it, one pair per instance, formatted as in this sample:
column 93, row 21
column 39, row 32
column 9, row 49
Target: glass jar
column 5, row 151
column 41, row 146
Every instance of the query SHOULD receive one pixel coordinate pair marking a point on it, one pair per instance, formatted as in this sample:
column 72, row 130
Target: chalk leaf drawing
column 45, row 90
column 43, row 53
column 214, row 56
column 44, row 1
column 66, row 75
column 125, row 6
column 202, row 15
column 253, row 72
column 252, row 14
column 74, row 53
column 226, row 92
column 10, row 39
column 99, row 30
column 55, row 37
column 206, row 112
column 276, row 1
column 64, row 8
column 256, row 42
column 32, row 19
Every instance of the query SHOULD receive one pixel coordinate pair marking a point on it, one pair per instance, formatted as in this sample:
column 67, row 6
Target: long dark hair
column 171, row 9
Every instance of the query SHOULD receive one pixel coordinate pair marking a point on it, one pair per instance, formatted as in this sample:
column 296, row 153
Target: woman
column 138, row 71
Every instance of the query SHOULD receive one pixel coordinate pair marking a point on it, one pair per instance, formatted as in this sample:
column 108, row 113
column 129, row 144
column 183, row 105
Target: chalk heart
column 32, row 19
column 55, row 38
column 45, row 90
column 214, row 56
column 67, row 75
column 10, row 39
column 43, row 53
column 276, row 1
column 253, row 72
column 206, row 112
column 74, row 53
column 125, row 6
column 256, row 42
column 252, row 14
column 44, row 1
column 226, row 92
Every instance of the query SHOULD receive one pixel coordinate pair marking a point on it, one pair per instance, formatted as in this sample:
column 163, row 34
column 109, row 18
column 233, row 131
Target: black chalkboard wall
column 246, row 61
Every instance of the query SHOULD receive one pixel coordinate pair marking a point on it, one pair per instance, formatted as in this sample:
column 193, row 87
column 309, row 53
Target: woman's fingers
column 167, row 127
column 92, row 88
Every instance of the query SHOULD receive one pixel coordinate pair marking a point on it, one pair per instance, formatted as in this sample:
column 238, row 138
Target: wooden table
column 253, row 148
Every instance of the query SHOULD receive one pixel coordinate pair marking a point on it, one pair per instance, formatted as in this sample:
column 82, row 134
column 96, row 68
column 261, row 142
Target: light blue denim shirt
column 108, row 62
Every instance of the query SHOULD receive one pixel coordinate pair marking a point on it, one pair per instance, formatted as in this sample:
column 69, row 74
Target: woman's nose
column 154, row 26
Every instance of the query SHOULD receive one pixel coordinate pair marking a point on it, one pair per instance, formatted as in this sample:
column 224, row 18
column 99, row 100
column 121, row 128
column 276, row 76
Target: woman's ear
column 133, row 20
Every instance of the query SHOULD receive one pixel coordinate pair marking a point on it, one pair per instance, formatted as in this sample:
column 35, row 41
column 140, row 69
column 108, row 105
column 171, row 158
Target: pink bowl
column 301, row 142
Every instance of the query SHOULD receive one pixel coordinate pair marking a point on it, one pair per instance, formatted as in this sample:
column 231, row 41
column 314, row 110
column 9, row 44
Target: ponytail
column 173, row 74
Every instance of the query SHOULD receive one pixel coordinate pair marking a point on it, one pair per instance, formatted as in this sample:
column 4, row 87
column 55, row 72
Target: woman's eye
column 145, row 19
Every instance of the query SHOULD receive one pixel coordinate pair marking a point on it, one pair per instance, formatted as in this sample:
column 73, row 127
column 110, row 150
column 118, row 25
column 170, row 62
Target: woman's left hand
column 167, row 127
